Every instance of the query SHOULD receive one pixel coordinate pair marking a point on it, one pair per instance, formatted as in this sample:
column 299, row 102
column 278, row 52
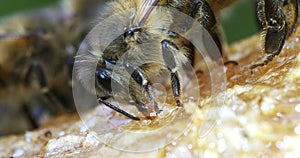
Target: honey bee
column 140, row 25
column 37, row 51
column 36, row 59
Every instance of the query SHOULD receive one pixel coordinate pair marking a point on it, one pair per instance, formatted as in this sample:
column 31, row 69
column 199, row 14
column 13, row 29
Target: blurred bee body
column 36, row 58
column 141, row 25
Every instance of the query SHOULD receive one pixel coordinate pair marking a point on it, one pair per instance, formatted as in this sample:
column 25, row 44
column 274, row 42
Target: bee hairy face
column 36, row 62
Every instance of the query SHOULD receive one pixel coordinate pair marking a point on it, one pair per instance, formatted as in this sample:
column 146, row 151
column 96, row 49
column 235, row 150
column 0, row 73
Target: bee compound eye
column 128, row 34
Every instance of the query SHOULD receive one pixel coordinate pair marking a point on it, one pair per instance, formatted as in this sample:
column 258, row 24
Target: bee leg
column 206, row 17
column 36, row 73
column 139, row 78
column 103, row 77
column 32, row 119
column 169, row 52
column 278, row 19
column 28, row 110
column 35, row 69
column 36, row 111
column 70, row 64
